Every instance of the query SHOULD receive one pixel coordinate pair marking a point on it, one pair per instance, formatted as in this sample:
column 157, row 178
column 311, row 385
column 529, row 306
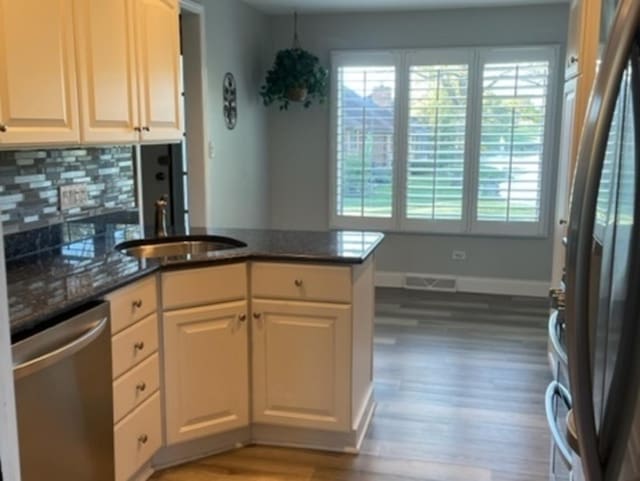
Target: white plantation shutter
column 365, row 144
column 512, row 141
column 443, row 140
column 438, row 96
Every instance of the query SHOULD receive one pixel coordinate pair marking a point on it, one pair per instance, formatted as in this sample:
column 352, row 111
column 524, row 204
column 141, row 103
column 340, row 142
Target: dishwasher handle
column 94, row 329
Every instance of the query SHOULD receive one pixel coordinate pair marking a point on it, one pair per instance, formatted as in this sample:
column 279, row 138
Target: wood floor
column 459, row 382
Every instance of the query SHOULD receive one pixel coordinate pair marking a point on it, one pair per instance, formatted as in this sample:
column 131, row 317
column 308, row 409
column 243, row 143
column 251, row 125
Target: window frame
column 361, row 59
column 476, row 58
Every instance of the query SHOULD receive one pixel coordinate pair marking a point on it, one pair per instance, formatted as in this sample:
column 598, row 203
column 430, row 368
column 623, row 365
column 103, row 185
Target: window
column 453, row 140
column 365, row 137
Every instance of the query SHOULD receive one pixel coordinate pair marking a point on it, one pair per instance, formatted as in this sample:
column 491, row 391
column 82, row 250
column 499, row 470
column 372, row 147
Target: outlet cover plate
column 73, row 195
column 459, row 255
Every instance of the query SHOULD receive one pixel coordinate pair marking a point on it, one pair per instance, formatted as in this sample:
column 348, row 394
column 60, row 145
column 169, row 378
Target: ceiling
column 326, row 6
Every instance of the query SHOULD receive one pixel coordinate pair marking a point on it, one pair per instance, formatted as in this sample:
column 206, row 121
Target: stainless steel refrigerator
column 603, row 262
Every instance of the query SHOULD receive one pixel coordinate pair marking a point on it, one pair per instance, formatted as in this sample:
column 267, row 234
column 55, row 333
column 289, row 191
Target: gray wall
column 299, row 140
column 239, row 173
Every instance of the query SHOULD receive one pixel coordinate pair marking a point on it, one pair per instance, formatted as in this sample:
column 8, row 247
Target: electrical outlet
column 73, row 195
column 459, row 255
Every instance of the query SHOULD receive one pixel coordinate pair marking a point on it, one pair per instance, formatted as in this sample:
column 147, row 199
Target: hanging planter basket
column 296, row 76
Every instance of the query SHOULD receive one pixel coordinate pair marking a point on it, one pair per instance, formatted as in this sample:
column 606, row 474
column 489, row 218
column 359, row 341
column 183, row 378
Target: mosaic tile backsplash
column 30, row 181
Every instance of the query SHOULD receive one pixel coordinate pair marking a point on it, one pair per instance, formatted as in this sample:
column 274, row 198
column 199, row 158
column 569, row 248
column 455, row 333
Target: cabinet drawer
column 301, row 282
column 133, row 387
column 137, row 437
column 132, row 303
column 134, row 344
column 197, row 287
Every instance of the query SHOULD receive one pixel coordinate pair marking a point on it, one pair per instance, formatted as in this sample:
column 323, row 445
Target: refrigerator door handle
column 557, row 390
column 584, row 197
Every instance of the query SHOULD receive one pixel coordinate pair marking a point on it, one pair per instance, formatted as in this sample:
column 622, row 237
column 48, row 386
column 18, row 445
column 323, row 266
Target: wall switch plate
column 459, row 255
column 73, row 195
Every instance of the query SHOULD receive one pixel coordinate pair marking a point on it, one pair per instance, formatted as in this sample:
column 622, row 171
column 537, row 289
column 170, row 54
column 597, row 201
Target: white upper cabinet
column 107, row 71
column 89, row 71
column 159, row 71
column 38, row 96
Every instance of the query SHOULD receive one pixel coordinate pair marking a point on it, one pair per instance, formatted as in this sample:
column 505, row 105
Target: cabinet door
column 574, row 38
column 106, row 70
column 566, row 163
column 159, row 71
column 206, row 370
column 301, row 366
column 38, row 98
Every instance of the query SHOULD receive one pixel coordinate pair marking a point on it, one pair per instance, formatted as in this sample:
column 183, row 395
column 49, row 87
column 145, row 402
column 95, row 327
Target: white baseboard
column 480, row 285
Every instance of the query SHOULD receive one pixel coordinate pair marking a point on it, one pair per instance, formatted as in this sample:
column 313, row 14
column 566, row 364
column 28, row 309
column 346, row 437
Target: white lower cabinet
column 137, row 438
column 206, row 370
column 137, row 412
column 205, row 346
column 301, row 364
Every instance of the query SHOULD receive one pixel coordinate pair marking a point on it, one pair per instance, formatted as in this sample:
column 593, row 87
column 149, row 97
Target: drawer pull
column 257, row 315
column 139, row 346
column 141, row 386
column 298, row 282
column 146, row 128
column 242, row 317
column 137, row 304
column 3, row 128
column 143, row 438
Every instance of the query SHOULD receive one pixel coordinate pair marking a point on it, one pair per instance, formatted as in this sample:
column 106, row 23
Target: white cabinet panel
column 301, row 364
column 206, row 370
column 38, row 98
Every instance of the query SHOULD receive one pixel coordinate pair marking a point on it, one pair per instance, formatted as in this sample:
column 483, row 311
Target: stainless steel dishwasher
column 64, row 399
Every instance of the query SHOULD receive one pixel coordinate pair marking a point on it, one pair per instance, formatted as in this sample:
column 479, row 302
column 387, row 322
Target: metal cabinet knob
column 298, row 282
column 139, row 346
column 257, row 315
column 3, row 128
column 143, row 438
column 146, row 128
column 138, row 129
column 573, row 60
column 563, row 221
column 141, row 386
column 137, row 304
column 242, row 317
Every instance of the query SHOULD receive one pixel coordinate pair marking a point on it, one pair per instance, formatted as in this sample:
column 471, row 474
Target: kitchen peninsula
column 269, row 343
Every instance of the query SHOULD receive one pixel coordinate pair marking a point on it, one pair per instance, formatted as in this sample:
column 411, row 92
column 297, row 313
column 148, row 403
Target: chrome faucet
column 161, row 216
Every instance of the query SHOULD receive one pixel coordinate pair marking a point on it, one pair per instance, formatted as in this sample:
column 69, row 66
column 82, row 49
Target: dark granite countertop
column 46, row 282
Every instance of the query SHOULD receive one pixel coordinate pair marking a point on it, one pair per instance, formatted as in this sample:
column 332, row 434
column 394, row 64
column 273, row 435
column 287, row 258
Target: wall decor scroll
column 229, row 100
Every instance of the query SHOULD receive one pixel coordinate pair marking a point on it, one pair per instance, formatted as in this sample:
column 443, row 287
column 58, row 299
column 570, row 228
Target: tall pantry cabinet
column 580, row 70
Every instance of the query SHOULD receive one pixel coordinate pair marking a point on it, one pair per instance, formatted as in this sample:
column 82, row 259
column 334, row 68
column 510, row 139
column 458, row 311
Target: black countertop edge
column 37, row 307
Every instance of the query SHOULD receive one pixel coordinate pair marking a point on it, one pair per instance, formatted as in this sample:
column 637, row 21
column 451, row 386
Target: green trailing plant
column 296, row 76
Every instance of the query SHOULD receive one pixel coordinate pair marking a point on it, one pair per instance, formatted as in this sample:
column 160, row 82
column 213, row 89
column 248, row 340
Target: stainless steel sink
column 177, row 246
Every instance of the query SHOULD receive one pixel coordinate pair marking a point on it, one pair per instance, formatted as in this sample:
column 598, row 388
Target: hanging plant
column 296, row 76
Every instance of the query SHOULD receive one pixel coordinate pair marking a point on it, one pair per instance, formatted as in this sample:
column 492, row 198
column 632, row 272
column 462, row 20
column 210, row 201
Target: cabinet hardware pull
column 139, row 345
column 573, row 59
column 141, row 386
column 137, row 304
column 143, row 438
column 146, row 128
column 3, row 128
column 137, row 129
column 298, row 282
column 242, row 317
column 563, row 221
column 257, row 315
